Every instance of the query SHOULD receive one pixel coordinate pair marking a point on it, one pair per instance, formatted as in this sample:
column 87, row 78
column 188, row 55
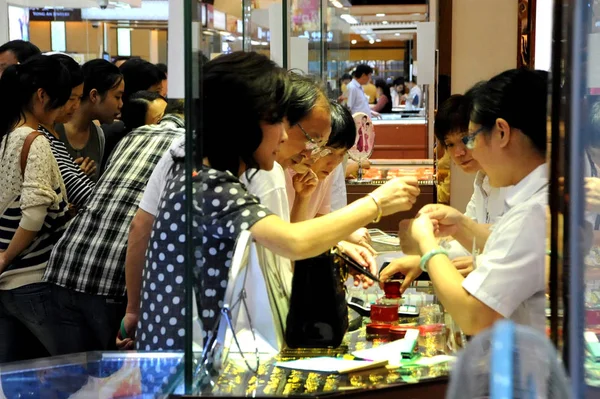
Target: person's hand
column 305, row 184
column 592, row 194
column 352, row 168
column 447, row 218
column 397, row 195
column 464, row 265
column 422, row 228
column 363, row 257
column 87, row 165
column 130, row 322
column 376, row 114
column 408, row 266
column 363, row 238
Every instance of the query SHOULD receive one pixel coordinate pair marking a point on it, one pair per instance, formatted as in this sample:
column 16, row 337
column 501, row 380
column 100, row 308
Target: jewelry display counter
column 382, row 170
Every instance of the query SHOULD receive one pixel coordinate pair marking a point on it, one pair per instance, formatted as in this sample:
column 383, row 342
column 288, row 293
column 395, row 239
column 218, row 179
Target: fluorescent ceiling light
column 380, row 15
column 397, row 34
column 363, row 32
column 384, row 22
column 378, row 40
column 337, row 4
column 371, row 41
column 349, row 18
column 353, row 41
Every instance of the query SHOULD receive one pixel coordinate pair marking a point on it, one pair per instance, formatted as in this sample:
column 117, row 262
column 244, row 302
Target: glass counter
column 93, row 374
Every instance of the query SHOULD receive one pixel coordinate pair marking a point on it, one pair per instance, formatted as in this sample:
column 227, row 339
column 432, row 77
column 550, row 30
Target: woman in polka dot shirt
column 231, row 145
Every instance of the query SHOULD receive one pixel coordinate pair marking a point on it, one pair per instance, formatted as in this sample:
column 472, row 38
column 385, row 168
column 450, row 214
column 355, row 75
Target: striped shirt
column 90, row 257
column 79, row 186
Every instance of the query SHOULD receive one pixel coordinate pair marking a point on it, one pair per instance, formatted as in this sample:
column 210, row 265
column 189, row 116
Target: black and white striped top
column 79, row 186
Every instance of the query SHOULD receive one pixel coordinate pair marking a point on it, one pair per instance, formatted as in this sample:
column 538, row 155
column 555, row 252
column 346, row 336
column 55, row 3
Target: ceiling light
column 353, row 41
column 380, row 15
column 349, row 18
column 397, row 34
column 337, row 4
column 378, row 40
column 384, row 22
column 363, row 32
column 371, row 41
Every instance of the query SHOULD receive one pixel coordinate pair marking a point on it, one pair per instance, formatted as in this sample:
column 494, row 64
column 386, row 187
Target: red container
column 384, row 313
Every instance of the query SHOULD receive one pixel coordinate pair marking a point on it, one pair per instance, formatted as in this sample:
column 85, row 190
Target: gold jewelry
column 379, row 209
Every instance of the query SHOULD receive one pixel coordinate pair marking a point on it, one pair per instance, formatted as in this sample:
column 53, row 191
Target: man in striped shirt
column 87, row 266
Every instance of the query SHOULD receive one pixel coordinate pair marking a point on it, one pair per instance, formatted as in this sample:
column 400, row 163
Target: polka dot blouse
column 223, row 208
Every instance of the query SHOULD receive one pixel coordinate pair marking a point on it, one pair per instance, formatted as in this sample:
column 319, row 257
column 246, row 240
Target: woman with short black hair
column 384, row 98
column 507, row 136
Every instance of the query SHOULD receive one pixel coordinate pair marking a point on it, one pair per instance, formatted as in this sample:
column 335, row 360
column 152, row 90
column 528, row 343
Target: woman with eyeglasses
column 507, row 137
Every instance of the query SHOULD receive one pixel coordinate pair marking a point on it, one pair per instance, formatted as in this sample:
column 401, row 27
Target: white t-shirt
column 357, row 102
column 339, row 196
column 158, row 179
column 415, row 98
column 486, row 206
column 270, row 188
column 510, row 273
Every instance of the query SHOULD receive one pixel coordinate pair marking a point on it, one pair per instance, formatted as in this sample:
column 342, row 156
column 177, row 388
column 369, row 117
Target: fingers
column 91, row 171
column 406, row 283
column 78, row 161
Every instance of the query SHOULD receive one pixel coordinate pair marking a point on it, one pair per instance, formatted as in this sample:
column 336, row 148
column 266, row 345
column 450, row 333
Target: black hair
column 399, row 81
column 518, row 96
column 139, row 75
column 163, row 68
column 22, row 81
column 346, row 76
column 175, row 106
column 343, row 128
column 304, row 96
column 259, row 84
column 362, row 69
column 133, row 113
column 21, row 49
column 385, row 88
column 452, row 117
column 72, row 66
column 101, row 75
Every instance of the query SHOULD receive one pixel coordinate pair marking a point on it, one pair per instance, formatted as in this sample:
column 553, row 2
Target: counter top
column 401, row 121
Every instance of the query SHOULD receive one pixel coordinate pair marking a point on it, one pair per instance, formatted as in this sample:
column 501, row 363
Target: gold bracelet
column 379, row 210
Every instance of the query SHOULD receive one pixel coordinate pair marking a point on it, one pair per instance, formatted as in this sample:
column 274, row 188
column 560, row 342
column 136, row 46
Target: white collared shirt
column 486, row 206
column 510, row 273
column 357, row 102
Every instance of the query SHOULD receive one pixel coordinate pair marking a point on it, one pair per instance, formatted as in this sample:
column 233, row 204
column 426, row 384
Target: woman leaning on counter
column 508, row 139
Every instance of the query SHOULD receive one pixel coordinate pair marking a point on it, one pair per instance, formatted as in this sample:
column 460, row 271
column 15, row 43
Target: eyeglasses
column 469, row 140
column 316, row 151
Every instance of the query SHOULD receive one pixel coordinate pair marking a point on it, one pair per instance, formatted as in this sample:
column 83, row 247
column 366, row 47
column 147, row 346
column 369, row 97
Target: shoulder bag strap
column 25, row 150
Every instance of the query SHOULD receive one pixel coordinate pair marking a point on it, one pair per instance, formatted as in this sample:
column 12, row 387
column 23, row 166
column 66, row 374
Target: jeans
column 24, row 314
column 84, row 322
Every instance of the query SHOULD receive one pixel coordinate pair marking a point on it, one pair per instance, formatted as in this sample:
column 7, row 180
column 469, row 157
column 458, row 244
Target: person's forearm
column 137, row 243
column 470, row 314
column 468, row 230
column 18, row 243
column 313, row 237
column 299, row 212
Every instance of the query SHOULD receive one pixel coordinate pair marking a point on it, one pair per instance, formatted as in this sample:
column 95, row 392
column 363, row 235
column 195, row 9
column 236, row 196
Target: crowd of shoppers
column 93, row 223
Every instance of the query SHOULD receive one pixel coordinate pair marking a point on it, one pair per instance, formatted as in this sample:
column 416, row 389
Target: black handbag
column 318, row 316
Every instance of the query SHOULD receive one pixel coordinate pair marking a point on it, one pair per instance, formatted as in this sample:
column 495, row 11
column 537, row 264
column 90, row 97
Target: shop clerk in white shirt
column 508, row 139
column 487, row 203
